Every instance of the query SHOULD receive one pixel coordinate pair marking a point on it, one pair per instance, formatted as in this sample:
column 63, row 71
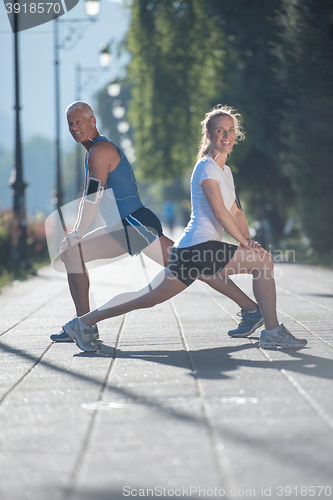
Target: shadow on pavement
column 217, row 362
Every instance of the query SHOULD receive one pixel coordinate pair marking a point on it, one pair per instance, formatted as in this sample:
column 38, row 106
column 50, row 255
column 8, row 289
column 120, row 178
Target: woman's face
column 222, row 134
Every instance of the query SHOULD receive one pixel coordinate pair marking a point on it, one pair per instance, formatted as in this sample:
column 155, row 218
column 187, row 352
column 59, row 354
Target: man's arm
column 103, row 158
column 79, row 212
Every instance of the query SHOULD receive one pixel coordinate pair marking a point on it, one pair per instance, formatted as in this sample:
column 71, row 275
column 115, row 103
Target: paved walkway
column 171, row 406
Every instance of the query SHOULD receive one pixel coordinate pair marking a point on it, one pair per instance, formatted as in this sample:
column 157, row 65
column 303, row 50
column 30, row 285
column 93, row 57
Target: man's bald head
column 84, row 106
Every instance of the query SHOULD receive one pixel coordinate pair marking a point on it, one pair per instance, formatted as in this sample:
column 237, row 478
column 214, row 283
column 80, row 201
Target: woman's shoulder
column 204, row 163
column 206, row 160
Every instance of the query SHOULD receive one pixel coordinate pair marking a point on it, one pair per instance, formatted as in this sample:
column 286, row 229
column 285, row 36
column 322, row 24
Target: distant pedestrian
column 169, row 214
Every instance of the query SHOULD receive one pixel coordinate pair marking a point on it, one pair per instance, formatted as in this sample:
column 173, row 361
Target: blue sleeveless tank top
column 121, row 193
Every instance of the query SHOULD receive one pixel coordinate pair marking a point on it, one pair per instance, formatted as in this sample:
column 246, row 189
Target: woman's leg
column 159, row 251
column 227, row 287
column 261, row 267
column 163, row 287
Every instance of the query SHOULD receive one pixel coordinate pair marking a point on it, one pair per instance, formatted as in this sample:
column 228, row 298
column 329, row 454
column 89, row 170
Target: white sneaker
column 84, row 337
column 282, row 337
column 63, row 337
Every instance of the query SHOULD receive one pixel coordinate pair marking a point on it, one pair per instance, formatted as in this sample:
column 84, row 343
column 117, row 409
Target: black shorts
column 138, row 230
column 204, row 259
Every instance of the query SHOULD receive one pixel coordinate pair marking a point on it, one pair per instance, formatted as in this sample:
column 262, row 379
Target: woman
column 199, row 251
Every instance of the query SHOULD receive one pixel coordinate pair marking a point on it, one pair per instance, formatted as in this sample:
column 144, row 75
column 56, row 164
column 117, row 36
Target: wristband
column 75, row 236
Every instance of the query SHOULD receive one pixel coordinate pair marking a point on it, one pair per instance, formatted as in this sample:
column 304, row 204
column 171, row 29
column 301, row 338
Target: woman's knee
column 264, row 265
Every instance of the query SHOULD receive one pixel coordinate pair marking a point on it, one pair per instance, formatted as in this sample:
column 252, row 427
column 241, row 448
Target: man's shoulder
column 103, row 148
column 103, row 155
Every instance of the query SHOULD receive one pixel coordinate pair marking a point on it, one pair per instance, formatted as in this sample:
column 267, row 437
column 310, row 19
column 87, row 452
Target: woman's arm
column 239, row 218
column 212, row 192
column 241, row 223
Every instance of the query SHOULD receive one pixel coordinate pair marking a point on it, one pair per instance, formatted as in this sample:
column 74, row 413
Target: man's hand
column 67, row 244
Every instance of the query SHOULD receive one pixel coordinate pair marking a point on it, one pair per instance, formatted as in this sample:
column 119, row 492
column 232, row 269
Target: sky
column 37, row 73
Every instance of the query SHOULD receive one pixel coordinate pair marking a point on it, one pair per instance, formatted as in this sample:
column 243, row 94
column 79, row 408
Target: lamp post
column 92, row 8
column 19, row 257
column 59, row 192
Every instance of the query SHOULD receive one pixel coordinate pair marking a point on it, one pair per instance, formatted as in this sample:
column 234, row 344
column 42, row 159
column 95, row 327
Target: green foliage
column 270, row 59
column 250, row 85
column 306, row 75
column 36, row 240
column 176, row 50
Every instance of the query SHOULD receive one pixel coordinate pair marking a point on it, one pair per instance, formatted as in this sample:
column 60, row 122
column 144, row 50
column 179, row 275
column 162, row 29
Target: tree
column 272, row 60
column 250, row 85
column 306, row 74
column 176, row 51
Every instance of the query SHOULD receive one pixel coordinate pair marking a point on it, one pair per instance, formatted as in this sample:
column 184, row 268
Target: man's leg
column 98, row 244
column 79, row 289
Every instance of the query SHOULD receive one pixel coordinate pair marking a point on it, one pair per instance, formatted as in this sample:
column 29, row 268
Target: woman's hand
column 255, row 246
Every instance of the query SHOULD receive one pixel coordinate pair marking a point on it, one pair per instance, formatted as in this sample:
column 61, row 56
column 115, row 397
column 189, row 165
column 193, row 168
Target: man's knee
column 73, row 262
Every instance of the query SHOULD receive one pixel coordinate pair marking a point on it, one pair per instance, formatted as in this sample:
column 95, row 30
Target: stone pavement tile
column 26, row 341
column 42, row 417
column 147, row 435
column 19, row 300
column 44, row 423
column 181, row 405
column 306, row 285
column 281, row 434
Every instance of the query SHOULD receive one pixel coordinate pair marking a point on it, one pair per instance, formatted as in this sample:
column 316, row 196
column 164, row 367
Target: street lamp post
column 92, row 8
column 59, row 192
column 19, row 255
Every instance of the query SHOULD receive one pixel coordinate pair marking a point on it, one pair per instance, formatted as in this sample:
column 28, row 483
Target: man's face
column 80, row 126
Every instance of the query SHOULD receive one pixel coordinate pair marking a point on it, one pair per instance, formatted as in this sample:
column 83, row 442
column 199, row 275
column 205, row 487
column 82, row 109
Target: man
column 111, row 188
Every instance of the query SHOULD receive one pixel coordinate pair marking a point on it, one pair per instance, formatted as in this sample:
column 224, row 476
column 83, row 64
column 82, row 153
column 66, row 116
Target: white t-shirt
column 203, row 225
